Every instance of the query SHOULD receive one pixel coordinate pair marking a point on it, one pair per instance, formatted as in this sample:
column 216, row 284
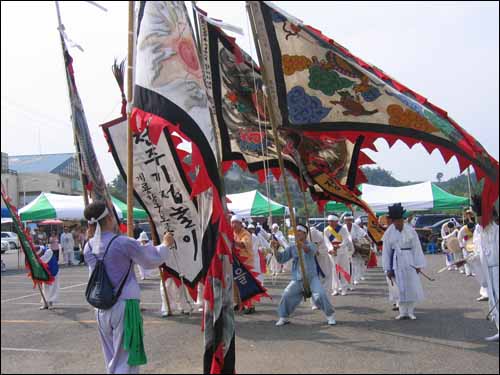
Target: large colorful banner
column 323, row 164
column 37, row 270
column 318, row 87
column 164, row 194
column 181, row 190
column 94, row 181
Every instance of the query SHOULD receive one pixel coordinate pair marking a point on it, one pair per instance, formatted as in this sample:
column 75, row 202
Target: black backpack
column 99, row 292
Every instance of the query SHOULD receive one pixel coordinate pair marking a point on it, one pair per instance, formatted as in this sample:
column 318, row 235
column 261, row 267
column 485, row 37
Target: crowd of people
column 68, row 244
column 333, row 262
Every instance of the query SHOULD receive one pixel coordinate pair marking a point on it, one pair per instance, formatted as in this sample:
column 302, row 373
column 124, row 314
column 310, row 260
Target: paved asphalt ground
column 446, row 338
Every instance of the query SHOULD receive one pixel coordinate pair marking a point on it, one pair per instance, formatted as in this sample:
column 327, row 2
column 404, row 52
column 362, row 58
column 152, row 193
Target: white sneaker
column 351, row 288
column 314, row 307
column 482, row 299
column 363, row 279
column 331, row 320
column 400, row 317
column 412, row 317
column 282, row 322
column 344, row 293
column 462, row 271
column 492, row 338
column 335, row 293
column 164, row 314
column 356, row 283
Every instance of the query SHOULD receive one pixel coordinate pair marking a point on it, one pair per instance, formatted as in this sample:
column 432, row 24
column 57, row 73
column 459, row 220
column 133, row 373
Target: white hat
column 302, row 228
column 251, row 226
column 236, row 218
column 348, row 215
column 275, row 226
column 333, row 218
column 358, row 221
column 143, row 237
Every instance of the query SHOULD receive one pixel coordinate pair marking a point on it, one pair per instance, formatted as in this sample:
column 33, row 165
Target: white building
column 26, row 176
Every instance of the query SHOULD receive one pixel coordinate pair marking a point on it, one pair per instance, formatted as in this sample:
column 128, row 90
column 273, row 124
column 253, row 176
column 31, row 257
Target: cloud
column 304, row 108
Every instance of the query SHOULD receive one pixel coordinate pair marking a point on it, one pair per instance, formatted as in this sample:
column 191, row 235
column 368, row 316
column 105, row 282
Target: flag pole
column 43, row 296
column 272, row 117
column 130, row 155
column 78, row 152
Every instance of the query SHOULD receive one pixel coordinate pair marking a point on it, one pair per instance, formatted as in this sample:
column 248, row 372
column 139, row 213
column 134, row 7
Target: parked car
column 427, row 220
column 11, row 238
column 5, row 246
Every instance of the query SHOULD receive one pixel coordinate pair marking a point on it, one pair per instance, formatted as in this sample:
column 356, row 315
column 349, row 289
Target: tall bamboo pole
column 272, row 118
column 130, row 155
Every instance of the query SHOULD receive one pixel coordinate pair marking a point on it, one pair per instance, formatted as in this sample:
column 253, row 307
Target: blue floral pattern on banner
column 304, row 108
column 371, row 94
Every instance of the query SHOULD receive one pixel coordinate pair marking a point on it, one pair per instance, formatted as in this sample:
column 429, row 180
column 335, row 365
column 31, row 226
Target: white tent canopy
column 253, row 203
column 419, row 197
column 66, row 207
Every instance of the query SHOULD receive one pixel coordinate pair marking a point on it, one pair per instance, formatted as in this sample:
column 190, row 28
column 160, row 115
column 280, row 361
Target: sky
column 445, row 51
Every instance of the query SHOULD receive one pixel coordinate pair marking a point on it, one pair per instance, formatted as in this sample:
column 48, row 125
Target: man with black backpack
column 114, row 291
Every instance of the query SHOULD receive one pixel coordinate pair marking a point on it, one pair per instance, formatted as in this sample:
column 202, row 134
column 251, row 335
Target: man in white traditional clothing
column 489, row 256
column 340, row 247
column 278, row 236
column 144, row 241
column 465, row 240
column 259, row 244
column 293, row 293
column 179, row 299
column 51, row 292
column 323, row 262
column 68, row 245
column 403, row 260
column 449, row 230
column 357, row 233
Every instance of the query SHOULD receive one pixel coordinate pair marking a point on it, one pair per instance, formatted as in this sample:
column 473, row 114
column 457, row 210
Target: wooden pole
column 196, row 27
column 307, row 290
column 306, row 207
column 130, row 155
column 43, row 296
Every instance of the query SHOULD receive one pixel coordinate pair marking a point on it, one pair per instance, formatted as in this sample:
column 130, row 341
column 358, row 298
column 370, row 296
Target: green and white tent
column 419, row 197
column 67, row 207
column 253, row 203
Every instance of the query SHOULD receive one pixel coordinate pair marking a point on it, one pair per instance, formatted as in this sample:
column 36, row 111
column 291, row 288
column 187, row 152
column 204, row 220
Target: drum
column 362, row 247
column 469, row 246
column 452, row 245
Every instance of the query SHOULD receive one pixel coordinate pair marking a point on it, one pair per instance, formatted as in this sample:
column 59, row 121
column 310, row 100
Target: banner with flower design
column 318, row 87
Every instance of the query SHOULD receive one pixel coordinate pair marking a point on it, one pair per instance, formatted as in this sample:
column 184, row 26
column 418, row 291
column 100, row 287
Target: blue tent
column 5, row 212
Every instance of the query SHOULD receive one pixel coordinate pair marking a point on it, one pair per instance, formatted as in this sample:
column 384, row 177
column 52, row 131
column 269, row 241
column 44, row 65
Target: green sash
column 133, row 333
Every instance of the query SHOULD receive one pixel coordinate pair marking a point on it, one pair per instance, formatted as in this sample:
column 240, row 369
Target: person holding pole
column 51, row 291
column 293, row 293
column 120, row 327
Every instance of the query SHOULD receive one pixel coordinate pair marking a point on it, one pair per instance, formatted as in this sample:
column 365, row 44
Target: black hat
column 396, row 211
